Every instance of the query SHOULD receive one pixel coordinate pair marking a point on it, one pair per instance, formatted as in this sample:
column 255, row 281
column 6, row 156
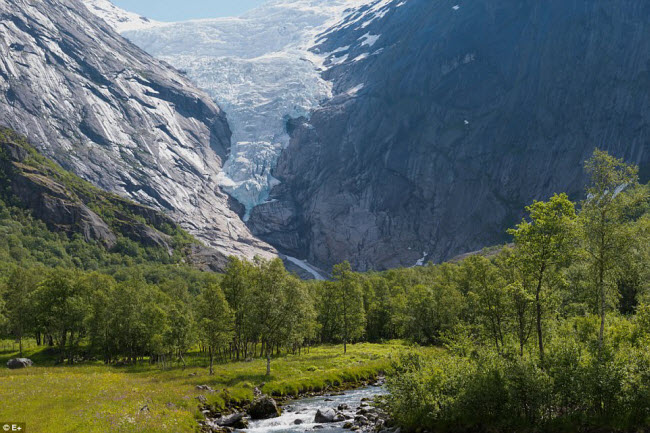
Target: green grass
column 98, row 398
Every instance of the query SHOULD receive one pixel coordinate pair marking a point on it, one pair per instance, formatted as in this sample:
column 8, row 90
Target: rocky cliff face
column 448, row 118
column 112, row 114
column 65, row 202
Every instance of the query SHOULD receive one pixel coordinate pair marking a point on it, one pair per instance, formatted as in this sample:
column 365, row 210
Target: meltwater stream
column 305, row 410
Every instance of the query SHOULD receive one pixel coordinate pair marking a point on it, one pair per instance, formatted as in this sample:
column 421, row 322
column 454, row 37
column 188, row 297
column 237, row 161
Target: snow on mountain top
column 363, row 16
column 119, row 19
column 275, row 26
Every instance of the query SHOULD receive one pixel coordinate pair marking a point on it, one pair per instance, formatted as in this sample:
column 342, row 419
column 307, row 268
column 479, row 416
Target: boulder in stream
column 325, row 415
column 235, row 420
column 264, row 407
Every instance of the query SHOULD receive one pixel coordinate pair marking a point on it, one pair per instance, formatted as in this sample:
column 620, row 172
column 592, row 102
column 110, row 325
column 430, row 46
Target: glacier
column 259, row 68
column 262, row 68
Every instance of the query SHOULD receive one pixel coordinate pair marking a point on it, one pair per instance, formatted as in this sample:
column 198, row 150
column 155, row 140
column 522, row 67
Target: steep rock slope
column 112, row 114
column 69, row 204
column 118, row 18
column 449, row 117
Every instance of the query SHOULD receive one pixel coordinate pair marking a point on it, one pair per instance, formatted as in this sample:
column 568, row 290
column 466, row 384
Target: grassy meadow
column 92, row 397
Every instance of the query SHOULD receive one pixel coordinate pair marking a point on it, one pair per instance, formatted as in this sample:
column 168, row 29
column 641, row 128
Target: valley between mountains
column 393, row 133
column 376, row 216
column 324, row 130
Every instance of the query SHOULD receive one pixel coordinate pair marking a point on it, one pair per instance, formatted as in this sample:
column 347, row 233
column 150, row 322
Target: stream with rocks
column 350, row 407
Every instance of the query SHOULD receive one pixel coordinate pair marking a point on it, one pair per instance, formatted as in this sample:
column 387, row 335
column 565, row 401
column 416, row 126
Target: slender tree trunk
column 500, row 329
column 601, row 333
column 268, row 363
column 520, row 335
column 538, row 308
column 601, row 283
column 211, row 361
column 71, row 350
column 62, row 344
column 539, row 320
column 20, row 345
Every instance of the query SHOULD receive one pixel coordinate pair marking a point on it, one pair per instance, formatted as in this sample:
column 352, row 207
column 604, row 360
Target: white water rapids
column 305, row 410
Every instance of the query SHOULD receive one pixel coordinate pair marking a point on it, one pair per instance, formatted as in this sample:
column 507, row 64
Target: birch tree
column 543, row 244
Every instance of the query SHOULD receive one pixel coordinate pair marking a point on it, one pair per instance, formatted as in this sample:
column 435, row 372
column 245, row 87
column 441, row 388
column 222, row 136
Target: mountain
column 395, row 132
column 112, row 114
column 68, row 204
column 118, row 18
column 259, row 68
column 449, row 117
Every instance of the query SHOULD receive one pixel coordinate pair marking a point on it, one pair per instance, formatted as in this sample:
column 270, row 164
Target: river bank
column 143, row 398
column 340, row 409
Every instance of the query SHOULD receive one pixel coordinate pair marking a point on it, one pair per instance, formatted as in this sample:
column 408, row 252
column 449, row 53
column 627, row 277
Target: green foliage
column 272, row 309
column 431, row 312
column 92, row 314
column 574, row 388
column 546, row 239
column 543, row 245
column 61, row 305
column 216, row 320
column 606, row 228
column 344, row 306
column 565, row 274
column 19, row 311
column 488, row 293
column 27, row 242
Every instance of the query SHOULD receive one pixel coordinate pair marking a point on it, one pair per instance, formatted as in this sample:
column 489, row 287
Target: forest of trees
column 550, row 334
column 551, row 329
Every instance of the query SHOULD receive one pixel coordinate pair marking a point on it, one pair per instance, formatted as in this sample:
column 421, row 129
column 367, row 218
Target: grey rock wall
column 458, row 117
column 112, row 114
